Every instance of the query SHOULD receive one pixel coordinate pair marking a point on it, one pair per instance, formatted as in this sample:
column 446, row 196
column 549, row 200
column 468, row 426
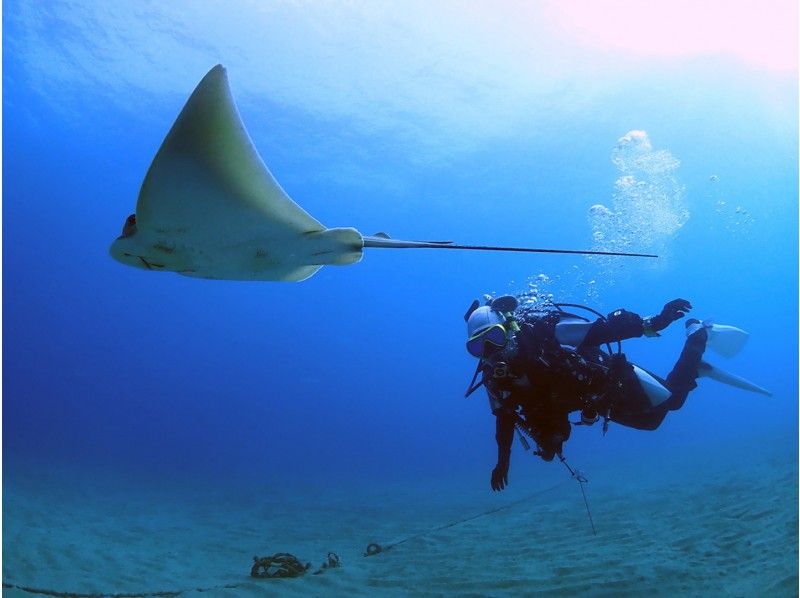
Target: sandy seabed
column 684, row 528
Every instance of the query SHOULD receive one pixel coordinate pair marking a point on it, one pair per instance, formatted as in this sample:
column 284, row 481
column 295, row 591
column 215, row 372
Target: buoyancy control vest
column 536, row 372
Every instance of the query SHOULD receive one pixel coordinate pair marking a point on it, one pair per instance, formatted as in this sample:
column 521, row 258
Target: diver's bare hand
column 500, row 476
column 673, row 310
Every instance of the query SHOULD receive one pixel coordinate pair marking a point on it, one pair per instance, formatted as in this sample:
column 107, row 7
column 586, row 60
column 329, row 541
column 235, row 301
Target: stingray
column 210, row 208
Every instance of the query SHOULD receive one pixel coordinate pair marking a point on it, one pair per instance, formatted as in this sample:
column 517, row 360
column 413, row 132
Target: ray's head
column 125, row 248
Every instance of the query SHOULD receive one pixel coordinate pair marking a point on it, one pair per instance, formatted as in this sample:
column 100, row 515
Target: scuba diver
column 539, row 366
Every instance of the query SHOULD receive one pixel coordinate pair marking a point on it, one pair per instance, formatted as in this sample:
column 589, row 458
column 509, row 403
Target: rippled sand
column 726, row 532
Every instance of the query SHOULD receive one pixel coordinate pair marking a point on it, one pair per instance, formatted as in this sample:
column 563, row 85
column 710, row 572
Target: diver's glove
column 500, row 475
column 674, row 310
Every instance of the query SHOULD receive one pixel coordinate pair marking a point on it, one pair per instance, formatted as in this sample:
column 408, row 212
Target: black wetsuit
column 537, row 382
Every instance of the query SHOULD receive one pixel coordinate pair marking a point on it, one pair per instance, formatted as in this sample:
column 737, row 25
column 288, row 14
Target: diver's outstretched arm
column 622, row 324
column 504, row 436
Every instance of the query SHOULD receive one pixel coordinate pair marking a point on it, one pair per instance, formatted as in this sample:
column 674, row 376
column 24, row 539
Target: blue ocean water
column 357, row 375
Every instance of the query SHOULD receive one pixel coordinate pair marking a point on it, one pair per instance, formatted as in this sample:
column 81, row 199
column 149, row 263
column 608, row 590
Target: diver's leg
column 640, row 420
column 682, row 379
column 629, row 403
column 633, row 408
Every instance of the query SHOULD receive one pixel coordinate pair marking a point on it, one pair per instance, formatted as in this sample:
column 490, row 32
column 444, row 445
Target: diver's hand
column 674, row 310
column 500, row 476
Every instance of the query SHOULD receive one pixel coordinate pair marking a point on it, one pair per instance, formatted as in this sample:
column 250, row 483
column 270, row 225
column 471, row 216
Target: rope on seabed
column 375, row 548
column 44, row 592
column 283, row 564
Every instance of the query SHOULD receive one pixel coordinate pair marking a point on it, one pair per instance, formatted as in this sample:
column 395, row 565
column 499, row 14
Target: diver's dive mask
column 489, row 326
column 494, row 335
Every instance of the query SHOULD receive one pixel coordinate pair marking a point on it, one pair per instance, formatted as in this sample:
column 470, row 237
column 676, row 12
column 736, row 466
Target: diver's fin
column 726, row 340
column 706, row 370
column 722, row 339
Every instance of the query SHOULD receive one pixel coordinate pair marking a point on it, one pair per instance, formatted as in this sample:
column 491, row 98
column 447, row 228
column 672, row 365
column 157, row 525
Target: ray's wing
column 207, row 177
column 210, row 197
